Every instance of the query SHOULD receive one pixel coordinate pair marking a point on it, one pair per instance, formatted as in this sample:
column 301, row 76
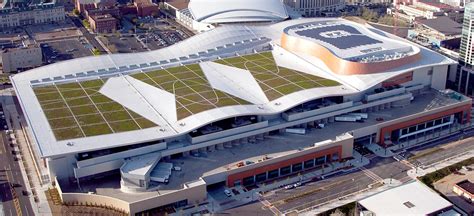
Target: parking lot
column 65, row 49
column 152, row 34
column 122, row 44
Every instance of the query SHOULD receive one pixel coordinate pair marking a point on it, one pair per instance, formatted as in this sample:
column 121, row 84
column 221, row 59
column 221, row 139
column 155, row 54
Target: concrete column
column 220, row 146
column 186, row 154
column 211, row 148
column 331, row 119
column 228, row 144
column 235, row 142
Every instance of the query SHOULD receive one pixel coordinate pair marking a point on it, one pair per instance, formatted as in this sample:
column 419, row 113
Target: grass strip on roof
column 145, row 123
column 63, row 122
column 67, row 133
column 83, row 110
column 117, row 116
column 90, row 119
column 57, row 113
column 96, row 129
column 124, row 126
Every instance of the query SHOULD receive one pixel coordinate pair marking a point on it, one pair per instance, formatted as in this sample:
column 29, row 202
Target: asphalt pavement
column 90, row 37
column 14, row 202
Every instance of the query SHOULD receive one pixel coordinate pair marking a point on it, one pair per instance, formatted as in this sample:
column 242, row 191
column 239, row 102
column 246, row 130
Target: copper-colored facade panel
column 339, row 65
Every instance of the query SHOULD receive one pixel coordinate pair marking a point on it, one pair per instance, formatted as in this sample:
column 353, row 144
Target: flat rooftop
column 413, row 198
column 467, row 186
column 348, row 40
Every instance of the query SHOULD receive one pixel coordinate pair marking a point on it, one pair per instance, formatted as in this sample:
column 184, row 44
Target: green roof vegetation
column 193, row 92
column 77, row 109
column 276, row 81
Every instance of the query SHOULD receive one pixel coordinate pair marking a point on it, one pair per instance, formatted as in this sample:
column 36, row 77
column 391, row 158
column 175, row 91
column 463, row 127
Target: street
column 90, row 37
column 16, row 201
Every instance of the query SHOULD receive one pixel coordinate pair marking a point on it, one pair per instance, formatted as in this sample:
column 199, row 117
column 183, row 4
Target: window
column 412, row 129
column 320, row 160
column 273, row 174
column 261, row 177
column 421, row 126
column 446, row 119
column 297, row 167
column 404, row 131
column 429, row 124
column 285, row 170
column 248, row 181
column 438, row 121
column 309, row 164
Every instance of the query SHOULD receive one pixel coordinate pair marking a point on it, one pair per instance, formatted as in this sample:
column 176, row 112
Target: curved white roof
column 138, row 95
column 231, row 11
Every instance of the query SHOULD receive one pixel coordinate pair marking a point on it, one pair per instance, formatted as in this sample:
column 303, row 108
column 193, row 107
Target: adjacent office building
column 463, row 79
column 21, row 58
column 15, row 14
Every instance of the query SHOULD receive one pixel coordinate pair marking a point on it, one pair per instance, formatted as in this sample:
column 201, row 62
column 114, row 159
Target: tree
column 76, row 12
column 86, row 24
column 95, row 51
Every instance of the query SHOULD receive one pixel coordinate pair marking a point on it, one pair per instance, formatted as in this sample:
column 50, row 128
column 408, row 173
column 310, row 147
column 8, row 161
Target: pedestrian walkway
column 419, row 141
column 417, row 171
column 349, row 198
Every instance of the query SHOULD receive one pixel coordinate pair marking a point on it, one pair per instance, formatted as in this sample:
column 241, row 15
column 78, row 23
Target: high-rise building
column 463, row 80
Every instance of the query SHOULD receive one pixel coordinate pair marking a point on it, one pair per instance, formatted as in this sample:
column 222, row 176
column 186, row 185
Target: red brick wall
column 241, row 175
column 389, row 129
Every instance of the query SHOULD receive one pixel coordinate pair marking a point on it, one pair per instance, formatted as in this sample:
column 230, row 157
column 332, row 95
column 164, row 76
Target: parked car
column 227, row 193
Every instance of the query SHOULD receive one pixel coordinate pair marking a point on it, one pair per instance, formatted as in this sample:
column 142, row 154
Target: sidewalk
column 388, row 184
column 33, row 177
column 419, row 141
column 253, row 195
column 417, row 172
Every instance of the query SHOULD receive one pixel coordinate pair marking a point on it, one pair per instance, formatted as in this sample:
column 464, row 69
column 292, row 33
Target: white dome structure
column 233, row 11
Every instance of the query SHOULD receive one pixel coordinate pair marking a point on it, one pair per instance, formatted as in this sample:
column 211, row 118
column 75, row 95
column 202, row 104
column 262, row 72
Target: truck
column 345, row 118
column 301, row 131
column 362, row 115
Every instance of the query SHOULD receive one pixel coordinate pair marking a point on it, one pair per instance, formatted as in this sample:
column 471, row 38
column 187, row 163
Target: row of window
column 261, row 177
column 425, row 125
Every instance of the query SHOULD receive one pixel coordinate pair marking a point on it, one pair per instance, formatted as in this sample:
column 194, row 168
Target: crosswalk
column 272, row 208
column 370, row 174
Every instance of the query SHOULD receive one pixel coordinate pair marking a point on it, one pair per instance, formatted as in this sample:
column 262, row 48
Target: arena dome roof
column 232, row 11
